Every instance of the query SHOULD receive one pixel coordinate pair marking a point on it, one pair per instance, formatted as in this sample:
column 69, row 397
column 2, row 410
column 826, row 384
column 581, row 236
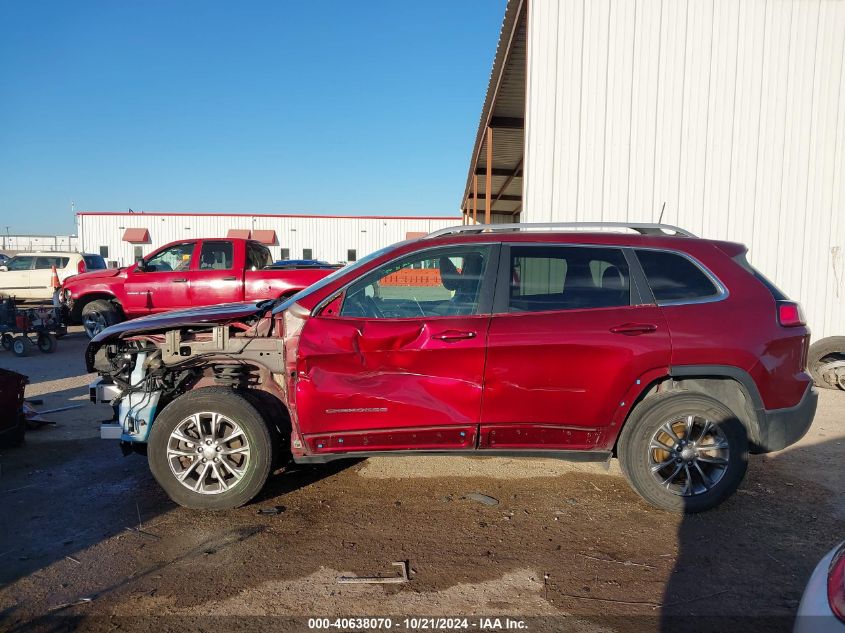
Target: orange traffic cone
column 54, row 278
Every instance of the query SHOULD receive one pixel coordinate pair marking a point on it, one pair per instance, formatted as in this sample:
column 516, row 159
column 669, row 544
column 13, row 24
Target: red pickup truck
column 178, row 275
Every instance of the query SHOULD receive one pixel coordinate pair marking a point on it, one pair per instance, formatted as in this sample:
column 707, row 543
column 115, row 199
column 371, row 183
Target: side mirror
column 140, row 266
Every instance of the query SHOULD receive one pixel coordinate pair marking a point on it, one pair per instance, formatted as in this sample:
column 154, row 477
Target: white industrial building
column 123, row 237
column 15, row 243
column 725, row 116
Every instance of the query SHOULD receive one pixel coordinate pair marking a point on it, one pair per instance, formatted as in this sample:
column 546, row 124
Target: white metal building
column 123, row 237
column 731, row 113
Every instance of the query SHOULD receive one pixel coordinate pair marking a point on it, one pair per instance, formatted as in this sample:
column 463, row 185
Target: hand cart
column 37, row 326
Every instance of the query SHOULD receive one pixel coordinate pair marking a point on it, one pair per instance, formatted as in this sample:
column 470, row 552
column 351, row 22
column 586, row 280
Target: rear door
column 570, row 336
column 216, row 276
column 162, row 283
column 15, row 281
column 396, row 362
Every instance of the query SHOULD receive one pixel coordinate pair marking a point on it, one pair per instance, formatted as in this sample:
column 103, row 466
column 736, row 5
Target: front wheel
column 19, row 344
column 97, row 315
column 210, row 449
column 683, row 451
column 6, row 341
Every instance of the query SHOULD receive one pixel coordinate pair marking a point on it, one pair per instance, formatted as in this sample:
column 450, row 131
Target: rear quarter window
column 45, row 263
column 94, row 262
column 673, row 277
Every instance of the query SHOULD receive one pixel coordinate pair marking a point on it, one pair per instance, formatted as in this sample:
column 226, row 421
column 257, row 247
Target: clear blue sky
column 276, row 106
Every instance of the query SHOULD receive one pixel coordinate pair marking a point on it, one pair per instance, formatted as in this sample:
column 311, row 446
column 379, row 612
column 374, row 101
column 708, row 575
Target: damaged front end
column 144, row 365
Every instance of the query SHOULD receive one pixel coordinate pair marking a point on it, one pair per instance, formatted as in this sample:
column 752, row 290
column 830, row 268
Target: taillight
column 836, row 583
column 790, row 314
column 80, row 267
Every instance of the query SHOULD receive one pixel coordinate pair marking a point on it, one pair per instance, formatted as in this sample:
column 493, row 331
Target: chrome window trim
column 722, row 292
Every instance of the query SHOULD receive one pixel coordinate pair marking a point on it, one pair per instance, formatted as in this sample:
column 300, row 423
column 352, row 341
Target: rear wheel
column 210, row 449
column 827, row 350
column 99, row 314
column 47, row 343
column 683, row 451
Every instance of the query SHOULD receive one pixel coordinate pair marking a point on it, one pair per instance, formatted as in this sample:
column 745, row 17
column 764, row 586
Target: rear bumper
column 780, row 428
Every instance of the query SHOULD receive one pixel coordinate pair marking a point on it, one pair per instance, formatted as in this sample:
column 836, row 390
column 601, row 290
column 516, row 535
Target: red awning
column 242, row 234
column 412, row 235
column 136, row 236
column 267, row 237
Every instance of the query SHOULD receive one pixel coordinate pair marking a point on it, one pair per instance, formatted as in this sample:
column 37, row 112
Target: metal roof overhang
column 502, row 126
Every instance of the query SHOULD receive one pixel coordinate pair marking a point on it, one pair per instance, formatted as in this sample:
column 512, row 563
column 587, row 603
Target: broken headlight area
column 135, row 381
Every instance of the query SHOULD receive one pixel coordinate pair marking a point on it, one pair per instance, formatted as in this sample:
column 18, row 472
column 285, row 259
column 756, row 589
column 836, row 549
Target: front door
column 569, row 338
column 161, row 281
column 397, row 362
column 15, row 280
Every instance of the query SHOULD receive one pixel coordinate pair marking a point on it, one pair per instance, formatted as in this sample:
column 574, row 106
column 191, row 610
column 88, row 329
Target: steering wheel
column 364, row 305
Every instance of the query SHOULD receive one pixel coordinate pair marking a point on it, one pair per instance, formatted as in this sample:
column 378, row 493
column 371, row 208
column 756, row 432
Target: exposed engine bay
column 144, row 368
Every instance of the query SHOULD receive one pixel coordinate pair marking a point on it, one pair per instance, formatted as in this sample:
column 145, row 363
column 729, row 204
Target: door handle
column 181, row 280
column 634, row 329
column 453, row 335
column 229, row 278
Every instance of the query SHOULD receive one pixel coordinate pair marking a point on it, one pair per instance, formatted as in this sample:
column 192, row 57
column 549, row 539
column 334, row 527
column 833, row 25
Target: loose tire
column 99, row 314
column 824, row 351
column 210, row 449
column 683, row 451
column 47, row 343
column 6, row 341
column 19, row 346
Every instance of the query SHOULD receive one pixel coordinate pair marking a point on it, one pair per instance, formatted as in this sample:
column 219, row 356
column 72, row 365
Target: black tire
column 99, row 314
column 20, row 346
column 47, row 343
column 824, row 351
column 6, row 341
column 234, row 406
column 635, row 452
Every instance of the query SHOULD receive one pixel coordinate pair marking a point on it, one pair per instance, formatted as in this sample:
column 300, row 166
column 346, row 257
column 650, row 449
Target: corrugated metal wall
column 328, row 237
column 731, row 112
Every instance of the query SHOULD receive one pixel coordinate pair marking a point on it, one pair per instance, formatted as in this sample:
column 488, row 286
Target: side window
column 567, row 278
column 257, row 257
column 45, row 263
column 439, row 282
column 20, row 263
column 673, row 277
column 216, row 256
column 96, row 262
column 174, row 259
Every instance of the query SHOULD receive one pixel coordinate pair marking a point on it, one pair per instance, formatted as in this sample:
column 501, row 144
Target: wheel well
column 727, row 390
column 84, row 300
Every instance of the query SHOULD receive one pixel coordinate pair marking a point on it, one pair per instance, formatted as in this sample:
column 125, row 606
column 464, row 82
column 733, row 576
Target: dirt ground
column 567, row 546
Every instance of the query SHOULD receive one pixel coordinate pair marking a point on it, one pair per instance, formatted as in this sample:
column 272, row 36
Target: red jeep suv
column 666, row 351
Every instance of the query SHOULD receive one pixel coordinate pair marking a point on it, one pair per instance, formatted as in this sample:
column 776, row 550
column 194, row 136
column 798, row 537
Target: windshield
column 325, row 281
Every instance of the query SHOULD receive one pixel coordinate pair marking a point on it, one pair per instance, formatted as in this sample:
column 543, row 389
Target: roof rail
column 640, row 227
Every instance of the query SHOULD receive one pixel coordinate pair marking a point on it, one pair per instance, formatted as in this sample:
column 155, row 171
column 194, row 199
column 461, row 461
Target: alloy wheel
column 94, row 323
column 208, row 453
column 688, row 455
